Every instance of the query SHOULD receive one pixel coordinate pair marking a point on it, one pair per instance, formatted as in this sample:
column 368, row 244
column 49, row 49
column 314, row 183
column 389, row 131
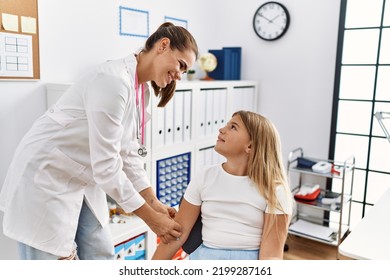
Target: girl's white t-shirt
column 232, row 208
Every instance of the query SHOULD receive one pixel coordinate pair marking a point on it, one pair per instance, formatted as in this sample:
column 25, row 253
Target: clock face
column 271, row 21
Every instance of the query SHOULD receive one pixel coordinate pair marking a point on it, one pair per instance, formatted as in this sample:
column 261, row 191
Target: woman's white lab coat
column 85, row 146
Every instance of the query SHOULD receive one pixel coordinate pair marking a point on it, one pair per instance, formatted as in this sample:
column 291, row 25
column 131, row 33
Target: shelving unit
column 332, row 222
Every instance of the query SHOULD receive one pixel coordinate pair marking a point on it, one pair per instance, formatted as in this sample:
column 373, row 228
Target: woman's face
column 171, row 64
column 233, row 139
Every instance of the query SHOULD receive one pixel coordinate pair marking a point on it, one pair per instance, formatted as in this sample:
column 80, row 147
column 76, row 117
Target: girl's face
column 233, row 139
column 171, row 64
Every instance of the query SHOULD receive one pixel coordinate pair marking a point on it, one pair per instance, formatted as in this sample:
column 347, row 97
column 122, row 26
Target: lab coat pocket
column 57, row 171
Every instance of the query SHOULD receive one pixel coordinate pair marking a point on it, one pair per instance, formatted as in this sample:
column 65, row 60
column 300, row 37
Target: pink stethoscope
column 141, row 117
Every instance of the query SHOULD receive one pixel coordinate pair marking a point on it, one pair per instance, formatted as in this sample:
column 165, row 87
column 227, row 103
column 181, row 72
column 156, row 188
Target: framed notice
column 19, row 39
column 133, row 22
column 177, row 21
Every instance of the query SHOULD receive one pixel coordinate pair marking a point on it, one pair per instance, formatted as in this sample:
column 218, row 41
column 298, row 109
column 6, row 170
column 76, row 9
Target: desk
column 370, row 239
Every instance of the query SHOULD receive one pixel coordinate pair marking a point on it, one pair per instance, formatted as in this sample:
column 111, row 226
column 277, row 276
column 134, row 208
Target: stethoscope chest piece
column 142, row 151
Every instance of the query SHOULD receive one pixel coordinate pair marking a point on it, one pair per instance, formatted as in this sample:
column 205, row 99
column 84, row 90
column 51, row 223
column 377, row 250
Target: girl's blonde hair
column 265, row 165
column 180, row 39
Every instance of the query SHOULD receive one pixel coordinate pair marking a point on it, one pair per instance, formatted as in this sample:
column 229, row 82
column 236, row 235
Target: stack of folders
column 173, row 125
column 173, row 121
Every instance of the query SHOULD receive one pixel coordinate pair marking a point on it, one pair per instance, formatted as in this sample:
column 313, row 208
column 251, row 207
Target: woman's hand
column 160, row 223
column 168, row 212
column 162, row 208
column 152, row 200
column 167, row 229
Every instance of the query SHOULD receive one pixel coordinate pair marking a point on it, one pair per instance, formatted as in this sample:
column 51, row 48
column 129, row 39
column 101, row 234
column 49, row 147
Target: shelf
column 319, row 205
column 321, row 233
column 309, row 171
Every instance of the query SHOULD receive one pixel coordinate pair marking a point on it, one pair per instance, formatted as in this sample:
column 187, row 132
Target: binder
column 237, row 100
column 209, row 111
column 221, row 72
column 200, row 158
column 159, row 130
column 227, row 57
column 168, row 137
column 187, row 115
column 216, row 108
column 178, row 117
column 222, row 107
column 235, row 62
column 201, row 120
column 119, row 251
column 248, row 98
column 130, row 250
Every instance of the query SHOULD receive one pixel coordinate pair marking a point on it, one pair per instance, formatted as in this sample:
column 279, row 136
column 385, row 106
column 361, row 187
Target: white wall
column 295, row 73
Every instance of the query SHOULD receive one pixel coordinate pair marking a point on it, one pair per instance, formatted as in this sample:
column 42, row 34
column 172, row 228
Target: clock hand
column 265, row 18
column 272, row 20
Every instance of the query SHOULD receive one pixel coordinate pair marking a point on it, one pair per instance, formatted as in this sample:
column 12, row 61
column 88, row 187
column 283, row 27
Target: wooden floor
column 300, row 248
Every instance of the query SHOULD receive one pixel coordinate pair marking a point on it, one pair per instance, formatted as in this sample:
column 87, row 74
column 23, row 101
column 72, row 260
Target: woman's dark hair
column 180, row 39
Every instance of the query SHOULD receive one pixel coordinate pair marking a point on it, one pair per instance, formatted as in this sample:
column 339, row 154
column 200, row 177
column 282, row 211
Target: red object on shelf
column 334, row 171
column 308, row 197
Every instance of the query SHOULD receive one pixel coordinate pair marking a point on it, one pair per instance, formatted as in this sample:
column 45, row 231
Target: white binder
column 200, row 158
column 249, row 99
column 222, row 107
column 168, row 137
column 187, row 115
column 201, row 117
column 159, row 129
column 178, row 119
column 237, row 100
column 216, row 108
column 209, row 111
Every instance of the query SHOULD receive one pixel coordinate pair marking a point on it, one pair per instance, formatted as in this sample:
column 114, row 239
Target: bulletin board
column 19, row 39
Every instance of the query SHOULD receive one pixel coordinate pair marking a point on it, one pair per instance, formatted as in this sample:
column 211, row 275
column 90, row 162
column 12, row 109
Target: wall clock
column 271, row 21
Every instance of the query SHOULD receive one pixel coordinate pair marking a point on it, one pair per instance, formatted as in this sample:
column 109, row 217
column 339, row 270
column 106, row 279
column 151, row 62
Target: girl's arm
column 274, row 236
column 186, row 217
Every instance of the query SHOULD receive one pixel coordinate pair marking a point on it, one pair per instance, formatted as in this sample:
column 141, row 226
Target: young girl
column 245, row 203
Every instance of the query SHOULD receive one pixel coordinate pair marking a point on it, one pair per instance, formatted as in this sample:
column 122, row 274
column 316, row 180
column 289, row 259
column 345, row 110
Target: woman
column 89, row 145
column 245, row 203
